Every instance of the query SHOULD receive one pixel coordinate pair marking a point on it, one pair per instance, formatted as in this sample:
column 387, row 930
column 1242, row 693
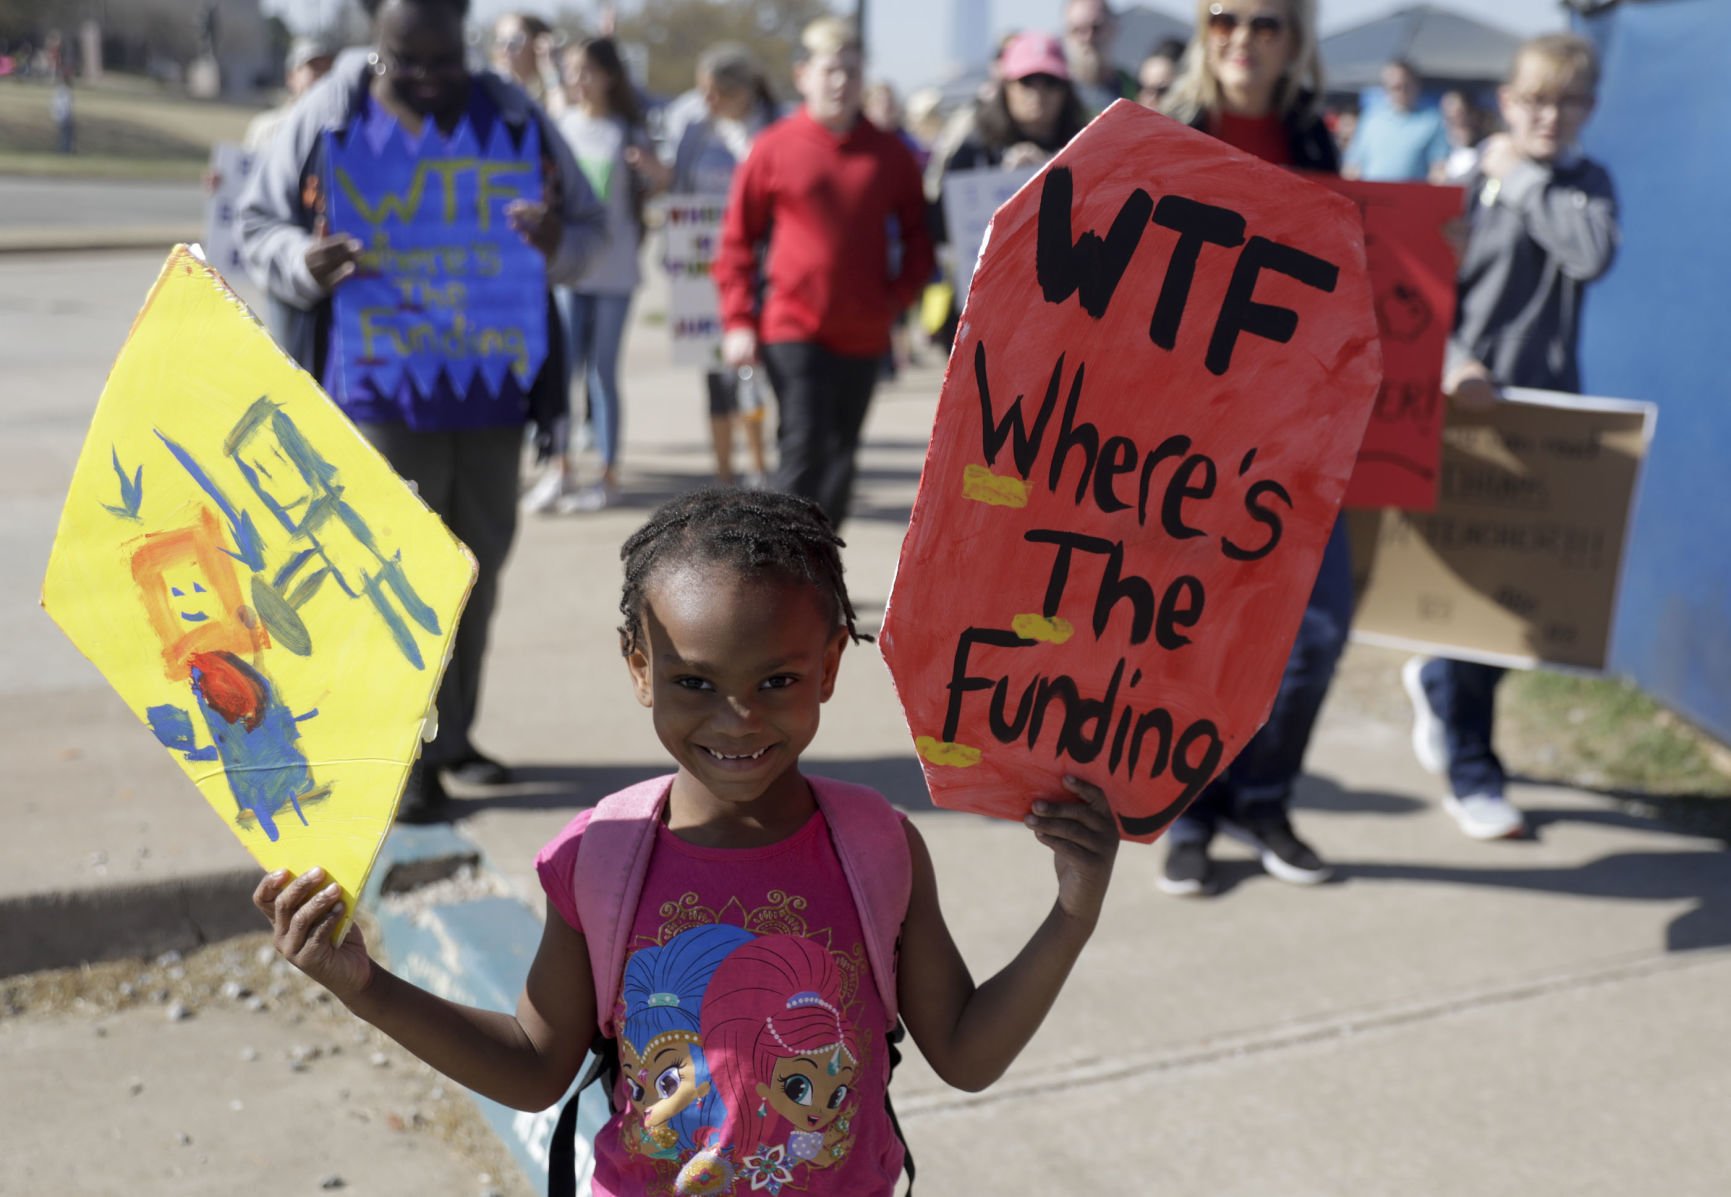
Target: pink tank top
column 751, row 1035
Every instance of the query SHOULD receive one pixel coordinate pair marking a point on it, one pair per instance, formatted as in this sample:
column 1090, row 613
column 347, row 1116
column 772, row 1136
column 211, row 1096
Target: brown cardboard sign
column 1518, row 564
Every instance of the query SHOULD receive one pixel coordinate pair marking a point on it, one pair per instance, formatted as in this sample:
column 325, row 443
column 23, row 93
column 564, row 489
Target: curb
column 96, row 240
column 66, row 929
column 475, row 951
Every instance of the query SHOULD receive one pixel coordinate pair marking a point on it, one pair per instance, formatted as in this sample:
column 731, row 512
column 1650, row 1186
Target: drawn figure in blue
column 191, row 593
column 660, row 1057
column 330, row 542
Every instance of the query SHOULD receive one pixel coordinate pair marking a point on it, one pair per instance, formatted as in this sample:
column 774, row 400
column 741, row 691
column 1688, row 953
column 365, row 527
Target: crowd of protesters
column 835, row 204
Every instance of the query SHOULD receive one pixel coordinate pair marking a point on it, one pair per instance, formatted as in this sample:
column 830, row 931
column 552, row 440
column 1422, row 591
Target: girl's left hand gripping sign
column 269, row 598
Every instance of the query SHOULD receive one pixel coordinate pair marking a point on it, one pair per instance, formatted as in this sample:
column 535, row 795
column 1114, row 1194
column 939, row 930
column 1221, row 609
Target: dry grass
column 125, row 129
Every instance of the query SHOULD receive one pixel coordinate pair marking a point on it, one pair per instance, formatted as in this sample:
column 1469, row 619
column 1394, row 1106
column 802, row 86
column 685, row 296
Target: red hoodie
column 824, row 202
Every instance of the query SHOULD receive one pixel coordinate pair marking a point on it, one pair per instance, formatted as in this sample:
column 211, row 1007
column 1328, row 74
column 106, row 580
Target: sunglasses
column 1264, row 26
column 1042, row 81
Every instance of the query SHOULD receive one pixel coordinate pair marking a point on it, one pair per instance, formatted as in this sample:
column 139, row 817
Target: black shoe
column 478, row 769
column 1187, row 873
column 424, row 799
column 1284, row 855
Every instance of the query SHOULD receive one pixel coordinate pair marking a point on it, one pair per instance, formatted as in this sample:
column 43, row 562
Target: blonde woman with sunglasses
column 1252, row 78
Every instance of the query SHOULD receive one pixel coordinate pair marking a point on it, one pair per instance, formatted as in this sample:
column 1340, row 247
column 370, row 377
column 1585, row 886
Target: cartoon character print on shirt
column 784, row 1057
column 674, row 1105
column 782, row 913
column 682, row 1118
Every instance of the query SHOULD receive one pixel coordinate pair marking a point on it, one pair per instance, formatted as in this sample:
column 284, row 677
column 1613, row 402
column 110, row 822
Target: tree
column 33, row 18
column 677, row 33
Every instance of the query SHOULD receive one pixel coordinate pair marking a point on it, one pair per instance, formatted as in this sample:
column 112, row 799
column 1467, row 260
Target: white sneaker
column 591, row 498
column 545, row 495
column 1486, row 816
column 1428, row 741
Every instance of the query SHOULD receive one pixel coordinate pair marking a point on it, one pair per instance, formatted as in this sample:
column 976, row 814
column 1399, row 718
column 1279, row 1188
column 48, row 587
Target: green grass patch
column 39, row 164
column 123, row 130
column 1606, row 735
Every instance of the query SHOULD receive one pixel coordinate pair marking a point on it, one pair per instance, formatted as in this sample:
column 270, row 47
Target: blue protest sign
column 445, row 286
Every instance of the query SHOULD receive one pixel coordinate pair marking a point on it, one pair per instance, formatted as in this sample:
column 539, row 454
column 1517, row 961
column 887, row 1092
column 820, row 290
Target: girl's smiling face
column 735, row 670
column 806, row 1093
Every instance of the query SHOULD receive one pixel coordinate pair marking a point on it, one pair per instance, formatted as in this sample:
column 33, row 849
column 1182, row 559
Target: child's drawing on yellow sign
column 267, row 596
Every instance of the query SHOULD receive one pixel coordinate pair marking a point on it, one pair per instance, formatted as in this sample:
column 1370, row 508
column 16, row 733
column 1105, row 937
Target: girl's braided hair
column 755, row 532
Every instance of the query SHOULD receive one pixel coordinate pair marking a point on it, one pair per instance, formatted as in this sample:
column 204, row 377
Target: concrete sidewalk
column 77, row 215
column 1450, row 1018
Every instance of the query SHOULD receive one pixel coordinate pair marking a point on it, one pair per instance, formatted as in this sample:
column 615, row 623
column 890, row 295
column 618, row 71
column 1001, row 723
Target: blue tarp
column 1654, row 330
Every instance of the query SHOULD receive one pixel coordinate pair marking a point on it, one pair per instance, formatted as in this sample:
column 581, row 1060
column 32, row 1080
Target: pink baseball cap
column 1033, row 54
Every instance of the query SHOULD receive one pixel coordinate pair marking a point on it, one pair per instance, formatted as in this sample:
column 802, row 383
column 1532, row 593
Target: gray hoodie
column 1539, row 236
column 276, row 226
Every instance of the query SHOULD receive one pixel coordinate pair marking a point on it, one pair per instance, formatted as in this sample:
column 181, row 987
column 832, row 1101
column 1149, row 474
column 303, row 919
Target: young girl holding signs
column 768, row 1054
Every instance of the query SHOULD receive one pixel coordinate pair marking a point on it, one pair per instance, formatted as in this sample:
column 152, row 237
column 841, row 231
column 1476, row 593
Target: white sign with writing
column 690, row 234
column 230, row 166
column 970, row 199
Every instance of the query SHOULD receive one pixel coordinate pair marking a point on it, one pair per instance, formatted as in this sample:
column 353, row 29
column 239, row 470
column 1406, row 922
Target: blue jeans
column 1258, row 784
column 594, row 327
column 1464, row 696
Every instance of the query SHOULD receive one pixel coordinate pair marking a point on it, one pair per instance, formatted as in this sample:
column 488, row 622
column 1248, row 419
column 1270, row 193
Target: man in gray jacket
column 461, row 448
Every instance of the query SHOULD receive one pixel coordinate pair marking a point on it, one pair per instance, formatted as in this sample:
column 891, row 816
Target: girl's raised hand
column 1083, row 837
column 304, row 912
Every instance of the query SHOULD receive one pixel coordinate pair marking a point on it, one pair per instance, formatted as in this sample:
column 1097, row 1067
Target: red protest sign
column 1412, row 272
column 1157, row 390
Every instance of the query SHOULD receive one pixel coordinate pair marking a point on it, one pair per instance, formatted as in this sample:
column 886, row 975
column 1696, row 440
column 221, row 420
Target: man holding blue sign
column 412, row 216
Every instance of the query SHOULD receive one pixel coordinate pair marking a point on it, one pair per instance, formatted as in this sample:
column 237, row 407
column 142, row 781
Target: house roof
column 1139, row 29
column 1441, row 45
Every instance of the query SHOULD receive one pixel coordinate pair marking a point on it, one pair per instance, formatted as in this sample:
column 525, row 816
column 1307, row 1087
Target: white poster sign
column 691, row 233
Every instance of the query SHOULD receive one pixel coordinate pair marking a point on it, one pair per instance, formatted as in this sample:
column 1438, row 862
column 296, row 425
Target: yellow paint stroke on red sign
column 1055, row 630
column 939, row 752
column 997, row 490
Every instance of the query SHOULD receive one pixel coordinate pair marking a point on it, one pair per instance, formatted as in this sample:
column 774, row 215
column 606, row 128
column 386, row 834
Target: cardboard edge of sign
column 189, row 259
column 1648, row 412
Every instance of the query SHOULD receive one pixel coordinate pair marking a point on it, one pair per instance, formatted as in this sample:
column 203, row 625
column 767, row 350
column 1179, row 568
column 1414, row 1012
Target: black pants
column 823, row 398
column 1258, row 785
column 469, row 478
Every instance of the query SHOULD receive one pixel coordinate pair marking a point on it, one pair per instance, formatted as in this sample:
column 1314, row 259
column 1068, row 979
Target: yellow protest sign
column 266, row 595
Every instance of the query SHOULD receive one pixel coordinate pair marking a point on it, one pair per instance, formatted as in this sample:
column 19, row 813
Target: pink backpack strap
column 612, row 861
column 872, row 846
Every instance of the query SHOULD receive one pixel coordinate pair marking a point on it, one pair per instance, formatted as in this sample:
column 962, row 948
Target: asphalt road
column 29, row 203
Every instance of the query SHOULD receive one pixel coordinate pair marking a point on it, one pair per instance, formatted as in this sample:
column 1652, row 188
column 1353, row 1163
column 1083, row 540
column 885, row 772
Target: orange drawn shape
column 188, row 555
column 996, row 490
